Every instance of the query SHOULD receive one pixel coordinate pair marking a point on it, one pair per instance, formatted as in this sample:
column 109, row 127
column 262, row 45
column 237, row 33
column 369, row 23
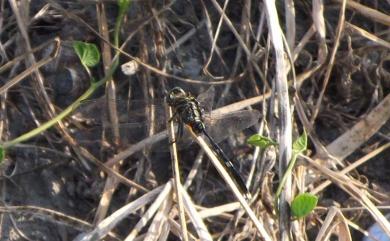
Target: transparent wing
column 129, row 111
column 206, row 99
column 222, row 126
column 96, row 112
column 139, row 119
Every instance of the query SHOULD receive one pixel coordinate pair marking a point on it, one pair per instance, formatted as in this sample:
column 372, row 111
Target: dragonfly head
column 175, row 94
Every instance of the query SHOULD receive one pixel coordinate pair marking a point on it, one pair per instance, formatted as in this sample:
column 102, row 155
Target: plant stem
column 123, row 7
column 63, row 114
column 288, row 172
column 94, row 85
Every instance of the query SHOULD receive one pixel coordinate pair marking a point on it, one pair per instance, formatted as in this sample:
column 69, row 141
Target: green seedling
column 303, row 204
column 89, row 56
column 88, row 53
column 123, row 7
column 2, row 154
column 299, row 146
column 64, row 113
column 261, row 141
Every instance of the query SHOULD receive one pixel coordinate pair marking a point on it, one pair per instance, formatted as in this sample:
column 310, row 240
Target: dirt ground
column 66, row 182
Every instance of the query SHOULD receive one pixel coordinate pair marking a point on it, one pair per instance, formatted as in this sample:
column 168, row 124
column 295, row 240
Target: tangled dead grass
column 305, row 65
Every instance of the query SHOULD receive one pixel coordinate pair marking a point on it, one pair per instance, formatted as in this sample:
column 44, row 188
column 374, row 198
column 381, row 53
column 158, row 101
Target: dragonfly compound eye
column 175, row 94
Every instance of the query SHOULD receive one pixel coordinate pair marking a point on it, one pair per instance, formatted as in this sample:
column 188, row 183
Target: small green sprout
column 88, row 53
column 261, row 141
column 299, row 145
column 2, row 154
column 123, row 5
column 303, row 204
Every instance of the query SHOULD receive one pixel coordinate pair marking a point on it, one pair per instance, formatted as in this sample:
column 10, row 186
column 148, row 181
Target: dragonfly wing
column 206, row 99
column 128, row 111
column 133, row 111
column 129, row 134
column 137, row 119
column 219, row 127
column 222, row 126
column 100, row 139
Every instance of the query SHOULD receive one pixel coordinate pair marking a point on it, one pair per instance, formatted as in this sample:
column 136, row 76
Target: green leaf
column 88, row 53
column 123, row 5
column 303, row 204
column 300, row 144
column 2, row 154
column 261, row 141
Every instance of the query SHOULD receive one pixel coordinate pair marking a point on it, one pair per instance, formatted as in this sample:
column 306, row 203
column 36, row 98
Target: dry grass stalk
column 105, row 226
column 160, row 228
column 368, row 35
column 221, row 170
column 285, row 137
column 111, row 182
column 329, row 67
column 196, row 219
column 348, row 142
column 360, row 196
column 228, row 27
column 15, row 80
column 370, row 13
column 194, row 170
column 176, row 171
column 335, row 222
column 158, row 203
column 219, row 210
column 352, row 166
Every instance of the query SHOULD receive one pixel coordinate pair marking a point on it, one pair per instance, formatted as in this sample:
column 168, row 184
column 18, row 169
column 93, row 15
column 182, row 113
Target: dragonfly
column 188, row 112
column 191, row 111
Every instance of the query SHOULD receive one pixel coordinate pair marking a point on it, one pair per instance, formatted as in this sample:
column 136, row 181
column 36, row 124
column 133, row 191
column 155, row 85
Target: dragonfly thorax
column 187, row 109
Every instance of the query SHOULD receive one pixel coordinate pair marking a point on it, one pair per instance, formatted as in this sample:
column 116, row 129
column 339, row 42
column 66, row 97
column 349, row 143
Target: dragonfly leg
column 173, row 116
column 179, row 133
column 172, row 142
column 180, row 129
